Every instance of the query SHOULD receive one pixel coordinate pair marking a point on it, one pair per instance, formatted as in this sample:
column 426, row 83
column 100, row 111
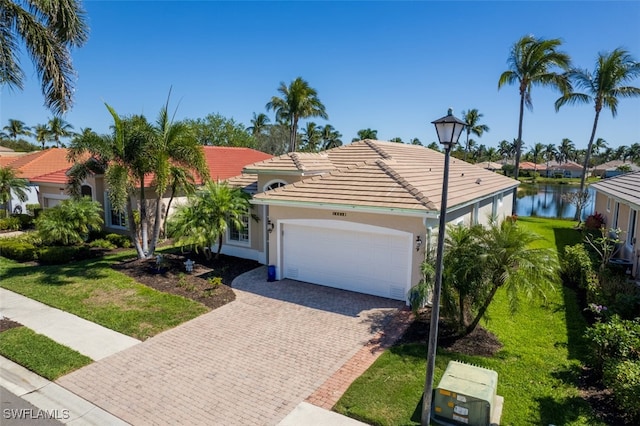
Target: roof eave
column 334, row 206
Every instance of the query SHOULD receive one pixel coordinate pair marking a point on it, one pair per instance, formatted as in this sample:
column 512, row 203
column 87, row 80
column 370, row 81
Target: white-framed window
column 631, row 234
column 608, row 204
column 616, row 211
column 240, row 235
column 113, row 218
column 274, row 184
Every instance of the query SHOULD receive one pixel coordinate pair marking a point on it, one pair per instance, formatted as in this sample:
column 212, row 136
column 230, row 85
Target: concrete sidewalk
column 52, row 399
column 90, row 339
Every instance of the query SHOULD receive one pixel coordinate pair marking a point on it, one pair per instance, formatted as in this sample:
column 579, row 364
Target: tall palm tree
column 16, row 128
column 48, row 30
column 536, row 152
column 566, row 151
column 331, row 138
column 259, row 124
column 531, row 63
column 59, row 128
column 42, row 133
column 365, row 134
column 10, row 184
column 505, row 149
column 472, row 118
column 173, row 144
column 622, row 153
column 126, row 157
column 311, row 137
column 599, row 145
column 550, row 152
column 604, row 87
column 299, row 100
column 492, row 154
column 634, row 152
column 181, row 179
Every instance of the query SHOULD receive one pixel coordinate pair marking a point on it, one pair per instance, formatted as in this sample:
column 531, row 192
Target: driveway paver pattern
column 249, row 362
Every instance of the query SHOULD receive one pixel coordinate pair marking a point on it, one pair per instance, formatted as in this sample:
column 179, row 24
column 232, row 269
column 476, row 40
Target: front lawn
column 39, row 353
column 538, row 366
column 92, row 290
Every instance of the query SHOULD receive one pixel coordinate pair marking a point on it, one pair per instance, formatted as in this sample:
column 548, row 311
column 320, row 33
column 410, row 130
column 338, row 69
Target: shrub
column 102, row 243
column 118, row 240
column 624, row 379
column 614, row 339
column 9, row 224
column 26, row 221
column 577, row 267
column 33, row 209
column 57, row 255
column 70, row 222
column 595, row 221
column 17, row 249
column 215, row 282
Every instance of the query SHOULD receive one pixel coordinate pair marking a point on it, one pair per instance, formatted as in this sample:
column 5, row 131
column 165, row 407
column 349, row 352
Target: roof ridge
column 415, row 192
column 296, row 160
column 384, row 154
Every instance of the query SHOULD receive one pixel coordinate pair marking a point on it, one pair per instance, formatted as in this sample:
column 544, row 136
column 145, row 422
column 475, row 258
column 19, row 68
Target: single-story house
column 613, row 168
column 31, row 165
column 567, row 169
column 222, row 162
column 618, row 199
column 359, row 217
column 528, row 166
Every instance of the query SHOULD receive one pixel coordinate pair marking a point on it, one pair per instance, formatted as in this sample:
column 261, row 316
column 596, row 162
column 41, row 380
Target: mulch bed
column 200, row 285
column 6, row 324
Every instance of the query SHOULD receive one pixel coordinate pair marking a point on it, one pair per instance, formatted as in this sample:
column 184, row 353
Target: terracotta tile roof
column 528, row 165
column 391, row 176
column 59, row 177
column 5, row 161
column 567, row 165
column 41, row 162
column 225, row 162
column 624, row 187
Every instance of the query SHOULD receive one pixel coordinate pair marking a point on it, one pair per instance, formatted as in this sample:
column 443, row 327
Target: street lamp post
column 448, row 129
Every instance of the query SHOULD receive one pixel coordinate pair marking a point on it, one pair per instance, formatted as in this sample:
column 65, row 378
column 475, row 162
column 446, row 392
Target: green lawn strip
column 40, row 354
column 91, row 289
column 537, row 367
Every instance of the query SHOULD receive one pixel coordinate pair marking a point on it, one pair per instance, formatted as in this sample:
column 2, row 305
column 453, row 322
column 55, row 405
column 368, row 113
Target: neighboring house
column 360, row 217
column 528, row 166
column 618, row 199
column 490, row 165
column 222, row 162
column 611, row 168
column 32, row 165
column 567, row 169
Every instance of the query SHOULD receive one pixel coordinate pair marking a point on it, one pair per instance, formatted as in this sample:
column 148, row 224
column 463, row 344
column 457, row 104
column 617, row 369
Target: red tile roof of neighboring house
column 59, row 177
column 528, row 165
column 41, row 162
column 226, row 162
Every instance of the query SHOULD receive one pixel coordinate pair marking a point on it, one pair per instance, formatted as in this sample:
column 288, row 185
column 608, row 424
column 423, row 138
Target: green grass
column 92, row 290
column 537, row 367
column 40, row 354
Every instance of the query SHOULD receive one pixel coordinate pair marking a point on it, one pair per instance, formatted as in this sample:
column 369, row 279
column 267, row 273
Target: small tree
column 606, row 245
column 69, row 222
column 579, row 200
column 206, row 217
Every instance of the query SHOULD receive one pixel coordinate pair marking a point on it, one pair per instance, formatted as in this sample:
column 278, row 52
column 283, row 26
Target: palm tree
column 434, row 146
column 505, row 149
column 550, row 152
column 599, row 145
column 365, row 134
column 299, row 100
column 58, row 128
column 11, row 184
column 48, row 30
column 311, row 137
column 531, row 62
column 492, row 154
column 173, row 144
column 634, row 152
column 259, row 124
column 16, row 128
column 604, row 88
column 331, row 138
column 125, row 155
column 206, row 217
column 472, row 118
column 181, row 179
column 514, row 264
column 536, row 152
column 566, row 151
column 415, row 141
column 622, row 153
column 70, row 222
column 42, row 133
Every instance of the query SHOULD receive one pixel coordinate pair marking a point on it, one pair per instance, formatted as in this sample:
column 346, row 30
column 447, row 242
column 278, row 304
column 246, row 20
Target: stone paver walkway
column 247, row 363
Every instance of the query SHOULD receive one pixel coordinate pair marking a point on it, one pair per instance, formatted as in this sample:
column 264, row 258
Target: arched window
column 85, row 191
column 274, row 184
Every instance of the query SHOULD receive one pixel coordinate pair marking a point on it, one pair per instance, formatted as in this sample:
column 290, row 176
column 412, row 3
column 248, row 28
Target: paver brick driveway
column 249, row 362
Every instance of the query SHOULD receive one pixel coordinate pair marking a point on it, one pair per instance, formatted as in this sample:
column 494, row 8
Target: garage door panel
column 368, row 262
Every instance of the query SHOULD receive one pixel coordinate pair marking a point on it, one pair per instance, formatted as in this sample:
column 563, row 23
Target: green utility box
column 466, row 395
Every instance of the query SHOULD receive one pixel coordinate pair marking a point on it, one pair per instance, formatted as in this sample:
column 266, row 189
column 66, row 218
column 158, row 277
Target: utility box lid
column 466, row 395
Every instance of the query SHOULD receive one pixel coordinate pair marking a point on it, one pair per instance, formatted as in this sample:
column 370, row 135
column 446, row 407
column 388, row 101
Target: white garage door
column 369, row 260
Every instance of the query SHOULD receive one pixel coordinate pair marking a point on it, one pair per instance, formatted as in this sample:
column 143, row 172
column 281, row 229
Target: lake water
column 545, row 200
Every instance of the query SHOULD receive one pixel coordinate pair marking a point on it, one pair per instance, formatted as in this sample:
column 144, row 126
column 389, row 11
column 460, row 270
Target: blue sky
column 389, row 65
